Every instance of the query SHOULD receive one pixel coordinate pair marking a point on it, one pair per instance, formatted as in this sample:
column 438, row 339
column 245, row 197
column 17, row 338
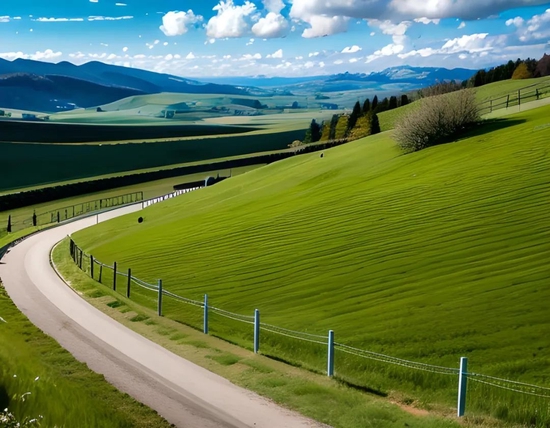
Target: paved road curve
column 185, row 394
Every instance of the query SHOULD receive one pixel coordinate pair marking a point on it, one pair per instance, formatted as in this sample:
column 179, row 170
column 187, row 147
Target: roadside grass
column 429, row 257
column 55, row 385
column 314, row 395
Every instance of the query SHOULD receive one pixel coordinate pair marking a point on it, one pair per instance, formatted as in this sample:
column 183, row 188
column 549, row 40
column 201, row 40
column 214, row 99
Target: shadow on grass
column 361, row 388
column 488, row 126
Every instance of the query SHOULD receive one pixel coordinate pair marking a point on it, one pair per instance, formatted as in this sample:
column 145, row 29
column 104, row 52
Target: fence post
column 256, row 331
column 160, row 298
column 330, row 365
column 92, row 266
column 114, row 276
column 462, row 381
column 519, row 97
column 100, row 273
column 205, row 327
column 129, row 282
column 80, row 263
column 537, row 92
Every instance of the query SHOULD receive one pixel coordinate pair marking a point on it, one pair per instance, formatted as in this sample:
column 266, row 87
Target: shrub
column 436, row 120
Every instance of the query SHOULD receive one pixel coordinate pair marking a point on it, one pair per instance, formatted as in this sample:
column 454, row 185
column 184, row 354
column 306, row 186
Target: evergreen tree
column 382, row 106
column 313, row 134
column 9, row 224
column 374, row 104
column 374, row 123
column 355, row 115
column 393, row 103
column 333, row 123
column 366, row 106
column 404, row 100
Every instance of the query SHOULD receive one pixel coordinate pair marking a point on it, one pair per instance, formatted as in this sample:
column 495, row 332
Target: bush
column 436, row 120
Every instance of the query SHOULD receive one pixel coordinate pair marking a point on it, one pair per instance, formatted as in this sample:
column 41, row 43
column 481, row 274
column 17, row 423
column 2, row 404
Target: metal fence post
column 100, row 273
column 205, row 327
column 92, row 266
column 462, row 383
column 256, row 331
column 114, row 276
column 160, row 298
column 330, row 364
column 129, row 282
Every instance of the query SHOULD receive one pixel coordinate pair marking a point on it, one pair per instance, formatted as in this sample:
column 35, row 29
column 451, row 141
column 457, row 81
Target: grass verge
column 39, row 378
column 331, row 401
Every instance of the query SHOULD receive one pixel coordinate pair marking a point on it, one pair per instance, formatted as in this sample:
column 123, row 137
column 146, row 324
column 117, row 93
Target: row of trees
column 361, row 122
column 519, row 69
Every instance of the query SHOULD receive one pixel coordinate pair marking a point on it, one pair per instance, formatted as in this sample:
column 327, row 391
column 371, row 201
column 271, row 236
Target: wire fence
column 526, row 94
column 16, row 223
column 364, row 364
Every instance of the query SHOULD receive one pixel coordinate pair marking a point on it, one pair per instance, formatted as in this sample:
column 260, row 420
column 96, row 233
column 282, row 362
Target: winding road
column 183, row 393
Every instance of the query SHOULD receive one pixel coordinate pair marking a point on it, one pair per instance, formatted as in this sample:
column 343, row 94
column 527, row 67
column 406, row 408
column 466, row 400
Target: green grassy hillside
column 427, row 256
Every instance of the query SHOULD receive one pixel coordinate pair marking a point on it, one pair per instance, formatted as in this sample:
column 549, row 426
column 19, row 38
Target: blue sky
column 275, row 37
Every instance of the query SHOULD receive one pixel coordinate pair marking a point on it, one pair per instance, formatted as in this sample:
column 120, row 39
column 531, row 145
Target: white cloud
column 312, row 54
column 469, row 43
column 125, row 49
column 58, row 19
column 230, row 20
column 388, row 50
column 251, row 57
column 274, row 6
column 322, row 26
column 250, row 42
column 46, row 55
column 93, row 1
column 517, row 21
column 351, row 49
column 190, row 55
column 273, row 25
column 277, row 54
column 536, row 28
column 178, row 23
column 169, row 57
column 427, row 21
column 5, row 19
column 397, row 31
column 462, row 25
column 109, row 18
column 121, row 4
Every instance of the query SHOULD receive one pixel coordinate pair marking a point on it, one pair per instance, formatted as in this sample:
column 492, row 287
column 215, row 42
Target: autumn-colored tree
column 543, row 67
column 522, row 72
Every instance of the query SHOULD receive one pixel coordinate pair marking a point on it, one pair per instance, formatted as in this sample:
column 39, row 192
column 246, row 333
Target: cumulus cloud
column 274, row 6
column 125, row 49
column 178, row 23
column 190, row 55
column 517, row 21
column 273, row 25
column 388, row 50
column 230, row 21
column 462, row 25
column 5, row 19
column 536, row 28
column 277, row 54
column 397, row 31
column 351, row 49
column 321, row 26
column 427, row 21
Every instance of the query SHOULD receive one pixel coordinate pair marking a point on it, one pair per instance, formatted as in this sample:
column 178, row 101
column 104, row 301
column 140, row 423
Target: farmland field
column 429, row 256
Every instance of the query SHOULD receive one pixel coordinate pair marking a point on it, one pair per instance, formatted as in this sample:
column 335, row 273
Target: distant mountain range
column 47, row 87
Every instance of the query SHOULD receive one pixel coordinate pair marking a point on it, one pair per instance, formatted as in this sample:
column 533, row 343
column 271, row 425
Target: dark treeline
column 519, row 69
column 47, row 194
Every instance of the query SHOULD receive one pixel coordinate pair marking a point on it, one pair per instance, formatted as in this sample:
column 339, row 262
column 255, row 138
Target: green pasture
column 26, row 165
column 54, row 384
column 152, row 189
column 428, row 256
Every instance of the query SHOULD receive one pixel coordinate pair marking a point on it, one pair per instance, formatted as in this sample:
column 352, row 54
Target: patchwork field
column 429, row 256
